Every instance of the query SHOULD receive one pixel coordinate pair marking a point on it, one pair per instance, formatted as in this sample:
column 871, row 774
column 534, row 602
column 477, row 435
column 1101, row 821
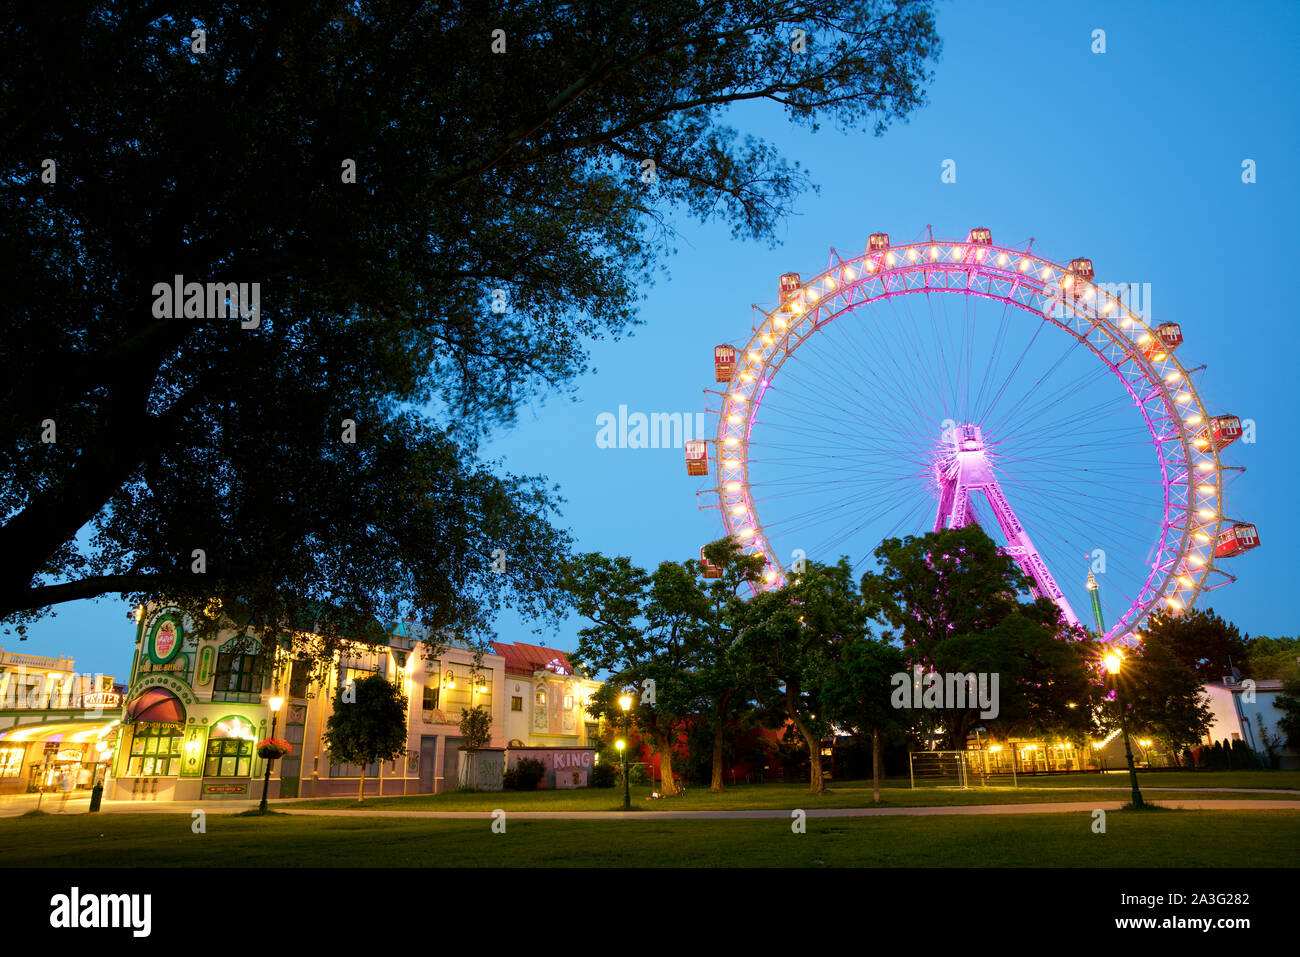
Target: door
column 428, row 752
column 291, row 766
column 450, row 764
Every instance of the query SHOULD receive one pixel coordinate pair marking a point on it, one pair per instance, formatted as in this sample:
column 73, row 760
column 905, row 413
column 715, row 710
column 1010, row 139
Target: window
column 155, row 750
column 11, row 762
column 568, row 702
column 230, row 749
column 353, row 770
column 239, row 675
column 516, row 703
column 431, row 694
column 299, row 679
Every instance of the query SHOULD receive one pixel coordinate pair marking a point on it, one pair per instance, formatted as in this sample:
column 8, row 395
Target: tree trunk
column 361, row 794
column 715, row 784
column 875, row 764
column 816, row 782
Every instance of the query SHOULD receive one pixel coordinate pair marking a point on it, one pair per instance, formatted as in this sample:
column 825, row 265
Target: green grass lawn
column 1133, row 839
column 842, row 794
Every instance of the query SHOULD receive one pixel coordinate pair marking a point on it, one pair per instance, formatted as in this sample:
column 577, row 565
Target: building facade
column 195, row 708
column 54, row 719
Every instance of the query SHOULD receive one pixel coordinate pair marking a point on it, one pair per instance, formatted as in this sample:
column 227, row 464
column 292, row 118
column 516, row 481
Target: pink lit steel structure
column 1180, row 563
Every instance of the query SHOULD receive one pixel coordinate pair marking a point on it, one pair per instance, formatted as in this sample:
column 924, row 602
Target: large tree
column 787, row 650
column 1164, row 692
column 857, row 694
column 442, row 205
column 722, row 621
column 642, row 632
column 958, row 605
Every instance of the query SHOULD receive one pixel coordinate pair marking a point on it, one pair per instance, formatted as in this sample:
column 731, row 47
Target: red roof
column 524, row 659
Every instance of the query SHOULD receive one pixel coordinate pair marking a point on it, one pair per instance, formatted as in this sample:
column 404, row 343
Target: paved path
column 1058, row 807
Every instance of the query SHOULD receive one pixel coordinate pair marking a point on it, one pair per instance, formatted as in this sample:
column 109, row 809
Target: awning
column 156, row 704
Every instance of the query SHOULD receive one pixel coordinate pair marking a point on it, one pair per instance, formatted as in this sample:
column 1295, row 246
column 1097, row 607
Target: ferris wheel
column 941, row 383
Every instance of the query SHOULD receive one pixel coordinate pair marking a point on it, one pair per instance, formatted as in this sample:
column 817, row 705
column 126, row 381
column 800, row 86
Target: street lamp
column 276, row 704
column 625, row 702
column 1113, row 662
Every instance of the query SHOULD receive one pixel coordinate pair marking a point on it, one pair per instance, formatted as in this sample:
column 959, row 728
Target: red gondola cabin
column 1082, row 271
column 1223, row 430
column 697, row 457
column 1242, row 537
column 724, row 362
column 877, row 242
column 1168, row 337
column 788, row 285
column 707, row 568
column 980, row 236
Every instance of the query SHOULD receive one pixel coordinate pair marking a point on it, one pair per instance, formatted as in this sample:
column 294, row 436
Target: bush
column 524, row 776
column 603, row 775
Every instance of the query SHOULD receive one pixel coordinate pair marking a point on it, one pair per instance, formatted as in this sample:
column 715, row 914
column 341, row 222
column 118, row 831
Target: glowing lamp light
column 739, row 399
column 1206, row 512
column 737, row 510
column 139, row 613
column 619, row 744
column 1193, row 420
column 625, row 702
column 733, row 486
column 1196, row 560
column 1187, row 581
column 911, row 254
column 781, row 323
column 934, row 252
column 1205, row 489
column 1201, row 536
column 1173, row 376
column 812, row 295
column 889, row 259
column 995, row 747
column 1184, row 397
column 1173, row 603
column 451, row 680
column 747, row 377
column 956, row 252
column 731, row 440
column 1113, row 662
column 746, row 533
column 756, row 356
column 735, row 418
column 276, row 703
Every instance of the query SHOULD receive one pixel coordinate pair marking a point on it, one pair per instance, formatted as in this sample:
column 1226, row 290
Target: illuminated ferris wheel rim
column 1161, row 388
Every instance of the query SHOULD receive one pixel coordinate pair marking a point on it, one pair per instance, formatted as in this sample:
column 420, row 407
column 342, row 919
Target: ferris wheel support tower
column 965, row 468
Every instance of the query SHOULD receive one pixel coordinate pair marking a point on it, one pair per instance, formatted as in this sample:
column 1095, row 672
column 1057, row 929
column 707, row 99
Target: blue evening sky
column 1132, row 157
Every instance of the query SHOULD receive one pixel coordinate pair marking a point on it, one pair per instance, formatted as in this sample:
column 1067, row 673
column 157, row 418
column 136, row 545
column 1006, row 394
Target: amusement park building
column 54, row 719
column 195, row 708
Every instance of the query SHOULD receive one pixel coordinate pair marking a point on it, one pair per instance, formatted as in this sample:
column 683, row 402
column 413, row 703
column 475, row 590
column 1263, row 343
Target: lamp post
column 1113, row 663
column 625, row 702
column 276, row 704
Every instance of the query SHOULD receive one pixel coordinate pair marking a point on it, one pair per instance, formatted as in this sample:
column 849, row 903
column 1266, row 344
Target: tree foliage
column 954, row 602
column 368, row 724
column 474, row 172
column 1163, row 690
